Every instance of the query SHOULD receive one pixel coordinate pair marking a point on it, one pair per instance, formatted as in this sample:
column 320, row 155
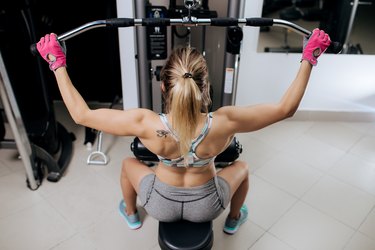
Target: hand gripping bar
column 336, row 47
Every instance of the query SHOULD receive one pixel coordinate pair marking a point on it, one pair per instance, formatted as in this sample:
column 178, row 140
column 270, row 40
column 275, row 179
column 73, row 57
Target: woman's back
column 161, row 141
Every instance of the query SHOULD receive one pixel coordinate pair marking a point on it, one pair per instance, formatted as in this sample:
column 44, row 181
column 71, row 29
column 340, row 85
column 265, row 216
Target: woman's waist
column 185, row 177
column 186, row 194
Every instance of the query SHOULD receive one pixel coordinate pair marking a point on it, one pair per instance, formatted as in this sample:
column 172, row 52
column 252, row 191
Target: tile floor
column 312, row 187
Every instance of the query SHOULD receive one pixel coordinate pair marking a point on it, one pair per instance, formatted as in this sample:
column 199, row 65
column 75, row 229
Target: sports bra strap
column 168, row 127
column 196, row 161
column 203, row 133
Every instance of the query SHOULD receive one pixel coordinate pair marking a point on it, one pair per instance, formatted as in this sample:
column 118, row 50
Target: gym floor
column 312, row 187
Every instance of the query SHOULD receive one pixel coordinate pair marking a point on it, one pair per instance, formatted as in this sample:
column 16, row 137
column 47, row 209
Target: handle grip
column 33, row 49
column 259, row 21
column 119, row 22
column 335, row 47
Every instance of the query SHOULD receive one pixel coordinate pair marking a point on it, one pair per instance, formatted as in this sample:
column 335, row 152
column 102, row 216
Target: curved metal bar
column 178, row 22
column 293, row 26
column 81, row 29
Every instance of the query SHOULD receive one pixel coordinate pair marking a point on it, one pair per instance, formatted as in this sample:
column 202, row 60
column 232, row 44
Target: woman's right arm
column 117, row 122
column 251, row 118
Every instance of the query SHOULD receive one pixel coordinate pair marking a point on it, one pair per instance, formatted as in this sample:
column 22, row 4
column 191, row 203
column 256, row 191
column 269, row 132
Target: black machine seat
column 186, row 235
column 229, row 155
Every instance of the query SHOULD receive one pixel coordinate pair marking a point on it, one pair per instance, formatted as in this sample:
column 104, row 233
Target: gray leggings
column 197, row 204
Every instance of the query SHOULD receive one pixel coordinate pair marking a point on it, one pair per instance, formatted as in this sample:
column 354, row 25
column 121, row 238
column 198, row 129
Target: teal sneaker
column 232, row 225
column 133, row 220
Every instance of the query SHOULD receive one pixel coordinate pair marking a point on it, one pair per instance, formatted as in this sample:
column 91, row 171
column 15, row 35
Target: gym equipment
column 188, row 22
column 339, row 23
column 194, row 236
column 34, row 157
column 231, row 153
column 21, row 140
column 185, row 234
column 48, row 142
column 292, row 13
column 98, row 157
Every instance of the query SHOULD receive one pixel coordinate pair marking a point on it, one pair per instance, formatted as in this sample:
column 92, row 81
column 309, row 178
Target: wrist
column 60, row 70
column 306, row 62
column 57, row 64
column 311, row 60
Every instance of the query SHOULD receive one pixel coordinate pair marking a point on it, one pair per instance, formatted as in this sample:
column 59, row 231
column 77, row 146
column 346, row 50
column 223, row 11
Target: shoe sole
column 131, row 226
column 231, row 232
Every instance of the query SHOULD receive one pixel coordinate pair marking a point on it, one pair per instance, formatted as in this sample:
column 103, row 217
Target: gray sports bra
column 193, row 160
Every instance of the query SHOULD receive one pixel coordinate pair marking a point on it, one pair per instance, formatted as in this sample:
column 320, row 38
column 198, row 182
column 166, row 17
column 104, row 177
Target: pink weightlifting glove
column 314, row 46
column 51, row 51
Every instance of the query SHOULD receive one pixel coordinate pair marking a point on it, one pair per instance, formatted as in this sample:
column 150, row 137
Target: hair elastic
column 187, row 75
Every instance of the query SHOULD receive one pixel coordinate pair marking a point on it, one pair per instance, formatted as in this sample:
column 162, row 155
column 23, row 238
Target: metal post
column 350, row 25
column 16, row 123
column 353, row 13
column 231, row 62
column 145, row 88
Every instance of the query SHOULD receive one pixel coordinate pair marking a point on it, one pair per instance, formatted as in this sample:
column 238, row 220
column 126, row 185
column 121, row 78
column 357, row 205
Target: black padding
column 185, row 235
column 33, row 49
column 335, row 47
column 119, row 22
column 141, row 152
column 232, row 152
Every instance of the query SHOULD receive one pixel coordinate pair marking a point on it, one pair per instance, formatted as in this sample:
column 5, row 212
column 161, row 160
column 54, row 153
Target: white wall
column 338, row 82
column 127, row 57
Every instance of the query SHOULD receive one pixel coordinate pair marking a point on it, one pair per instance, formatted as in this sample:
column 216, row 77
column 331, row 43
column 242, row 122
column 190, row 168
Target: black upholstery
column 229, row 155
column 185, row 235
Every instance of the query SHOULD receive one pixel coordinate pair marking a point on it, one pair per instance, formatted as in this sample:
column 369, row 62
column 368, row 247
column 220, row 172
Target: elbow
column 79, row 118
column 291, row 113
column 288, row 112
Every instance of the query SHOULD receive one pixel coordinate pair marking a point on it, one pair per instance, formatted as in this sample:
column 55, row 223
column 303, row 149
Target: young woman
column 187, row 138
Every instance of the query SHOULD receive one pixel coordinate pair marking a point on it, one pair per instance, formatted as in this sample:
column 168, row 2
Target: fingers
column 327, row 40
column 321, row 35
column 315, row 33
column 53, row 35
column 39, row 44
column 47, row 38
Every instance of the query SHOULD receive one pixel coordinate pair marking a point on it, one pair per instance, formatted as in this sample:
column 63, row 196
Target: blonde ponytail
column 186, row 95
column 184, row 120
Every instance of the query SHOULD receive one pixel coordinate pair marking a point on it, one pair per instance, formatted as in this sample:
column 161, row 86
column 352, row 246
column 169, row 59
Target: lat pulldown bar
column 188, row 21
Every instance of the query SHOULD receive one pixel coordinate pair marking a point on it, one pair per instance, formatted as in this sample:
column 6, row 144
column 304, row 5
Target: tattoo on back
column 162, row 133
